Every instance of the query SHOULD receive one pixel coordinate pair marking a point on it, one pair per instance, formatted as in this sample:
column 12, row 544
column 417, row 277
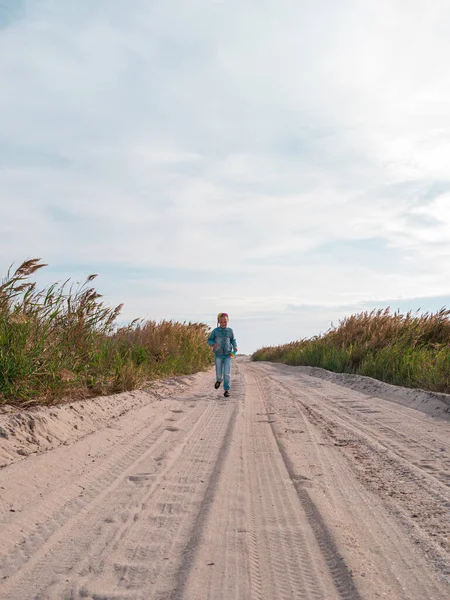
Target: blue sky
column 286, row 161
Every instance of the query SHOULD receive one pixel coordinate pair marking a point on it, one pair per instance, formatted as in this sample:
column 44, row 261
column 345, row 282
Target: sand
column 303, row 484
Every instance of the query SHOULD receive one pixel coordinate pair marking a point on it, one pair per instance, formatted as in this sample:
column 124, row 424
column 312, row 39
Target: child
column 223, row 343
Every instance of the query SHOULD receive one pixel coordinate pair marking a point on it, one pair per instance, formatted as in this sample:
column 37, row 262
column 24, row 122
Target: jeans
column 223, row 371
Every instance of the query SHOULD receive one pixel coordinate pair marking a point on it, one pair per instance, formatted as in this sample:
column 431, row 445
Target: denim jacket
column 225, row 340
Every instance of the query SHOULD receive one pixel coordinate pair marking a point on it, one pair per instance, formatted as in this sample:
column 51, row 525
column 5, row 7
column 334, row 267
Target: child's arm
column 212, row 339
column 233, row 341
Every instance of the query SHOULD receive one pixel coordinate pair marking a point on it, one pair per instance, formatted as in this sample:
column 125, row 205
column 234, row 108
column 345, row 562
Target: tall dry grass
column 412, row 350
column 63, row 341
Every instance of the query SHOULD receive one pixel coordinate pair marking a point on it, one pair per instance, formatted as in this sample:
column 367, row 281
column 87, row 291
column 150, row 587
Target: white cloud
column 301, row 148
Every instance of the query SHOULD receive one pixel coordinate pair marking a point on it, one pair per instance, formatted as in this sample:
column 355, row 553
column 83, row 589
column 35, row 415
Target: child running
column 223, row 343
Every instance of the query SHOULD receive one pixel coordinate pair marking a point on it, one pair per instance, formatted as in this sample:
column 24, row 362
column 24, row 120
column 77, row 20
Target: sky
column 285, row 161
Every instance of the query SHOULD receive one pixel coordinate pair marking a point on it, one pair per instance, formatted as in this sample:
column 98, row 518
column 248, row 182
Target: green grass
column 63, row 342
column 410, row 350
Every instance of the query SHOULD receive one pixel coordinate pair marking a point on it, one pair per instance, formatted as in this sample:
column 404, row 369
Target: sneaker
column 226, row 393
column 217, row 385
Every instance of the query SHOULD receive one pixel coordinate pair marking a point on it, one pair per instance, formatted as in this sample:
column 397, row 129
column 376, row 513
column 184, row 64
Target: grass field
column 63, row 341
column 412, row 350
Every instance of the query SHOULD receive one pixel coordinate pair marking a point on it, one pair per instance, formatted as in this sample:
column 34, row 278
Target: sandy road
column 294, row 488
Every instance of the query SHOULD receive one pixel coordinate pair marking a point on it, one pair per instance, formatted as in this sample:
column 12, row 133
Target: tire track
column 190, row 551
column 35, row 561
column 220, row 567
column 145, row 558
column 256, row 521
column 322, row 422
column 258, row 496
column 408, row 484
column 291, row 561
column 381, row 420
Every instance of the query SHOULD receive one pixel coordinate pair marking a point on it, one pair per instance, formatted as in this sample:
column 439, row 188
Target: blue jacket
column 225, row 340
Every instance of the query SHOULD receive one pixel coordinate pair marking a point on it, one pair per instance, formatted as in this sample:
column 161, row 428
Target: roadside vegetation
column 410, row 350
column 62, row 342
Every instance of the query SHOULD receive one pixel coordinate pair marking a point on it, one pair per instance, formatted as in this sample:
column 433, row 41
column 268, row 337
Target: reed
column 412, row 350
column 62, row 342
